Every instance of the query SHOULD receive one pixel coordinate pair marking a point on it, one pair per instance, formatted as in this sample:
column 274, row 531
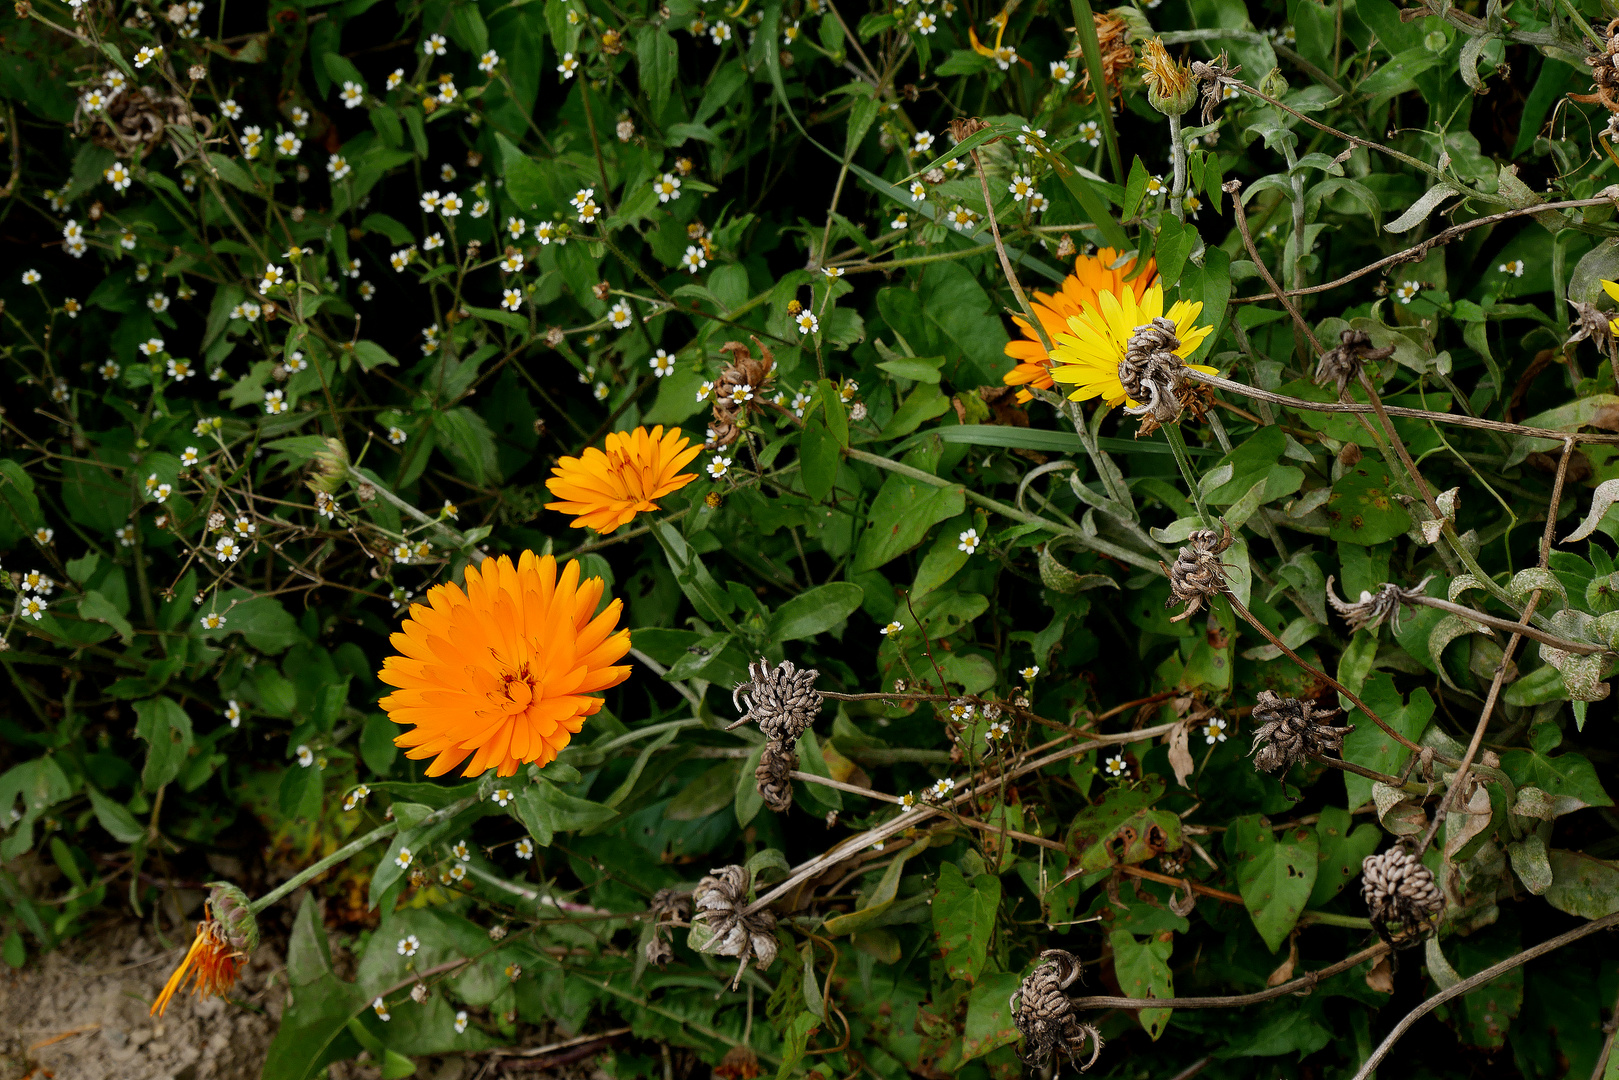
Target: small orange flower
column 215, row 960
column 608, row 489
column 503, row 671
column 1093, row 274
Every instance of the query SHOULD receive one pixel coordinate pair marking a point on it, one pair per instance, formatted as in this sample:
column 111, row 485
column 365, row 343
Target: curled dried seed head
column 658, row 951
column 1342, row 365
column 1198, row 574
column 1151, row 373
column 1289, row 731
column 670, row 904
column 721, row 900
column 1373, row 608
column 1214, row 76
column 963, row 127
column 782, row 700
column 1045, row 1016
column 1589, row 321
column 774, row 778
column 1401, row 895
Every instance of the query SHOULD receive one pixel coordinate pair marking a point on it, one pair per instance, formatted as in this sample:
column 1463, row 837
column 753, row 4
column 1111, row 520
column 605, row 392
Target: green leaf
column 1341, row 846
column 1368, row 745
column 710, row 793
column 370, row 355
column 657, row 58
column 1569, row 778
column 232, row 173
column 469, row 441
column 964, row 919
column 1090, row 199
column 990, row 1022
column 1142, row 967
column 99, row 608
column 901, row 515
column 1275, row 873
column 795, row 1042
column 546, row 809
column 814, row 611
column 711, row 601
column 1362, row 508
column 819, row 456
column 115, row 817
column 878, row 901
column 167, row 731
column 1583, row 885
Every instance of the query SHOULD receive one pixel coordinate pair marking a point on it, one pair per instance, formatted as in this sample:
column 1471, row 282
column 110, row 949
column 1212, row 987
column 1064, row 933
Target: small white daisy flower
column 408, row 945
column 807, row 323
column 525, row 848
column 1062, row 72
column 969, row 541
column 402, row 860
column 892, row 628
column 718, row 466
column 306, row 756
column 503, row 796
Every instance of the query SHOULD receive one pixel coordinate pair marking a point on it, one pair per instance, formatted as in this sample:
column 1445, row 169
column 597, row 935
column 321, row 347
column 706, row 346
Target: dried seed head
column 1290, row 731
column 418, row 993
column 1401, row 895
column 1372, row 609
column 964, row 127
column 1342, row 365
column 1589, row 321
column 554, row 337
column 1214, row 76
column 1065, row 247
column 721, row 900
column 782, row 700
column 774, row 778
column 497, row 932
column 658, row 951
column 1045, row 1016
column 670, row 904
column 1198, row 574
column 1155, row 377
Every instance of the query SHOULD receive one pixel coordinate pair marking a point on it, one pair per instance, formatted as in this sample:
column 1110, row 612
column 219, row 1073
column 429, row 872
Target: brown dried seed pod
column 774, row 776
column 1214, row 76
column 782, row 700
column 134, row 120
column 1198, row 574
column 1045, row 1016
column 1373, row 608
column 658, row 951
column 1290, row 731
column 720, row 900
column 1342, row 365
column 1401, row 895
column 1151, row 372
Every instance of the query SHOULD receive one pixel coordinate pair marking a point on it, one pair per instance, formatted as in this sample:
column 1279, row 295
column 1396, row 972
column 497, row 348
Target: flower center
column 517, row 690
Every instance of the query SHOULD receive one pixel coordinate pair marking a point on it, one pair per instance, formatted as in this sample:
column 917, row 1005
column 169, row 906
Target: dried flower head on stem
column 1046, row 1017
column 1198, row 574
column 1290, row 731
column 1370, row 611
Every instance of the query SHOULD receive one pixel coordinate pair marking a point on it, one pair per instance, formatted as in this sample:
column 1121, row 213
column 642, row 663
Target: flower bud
column 1170, row 88
column 234, row 913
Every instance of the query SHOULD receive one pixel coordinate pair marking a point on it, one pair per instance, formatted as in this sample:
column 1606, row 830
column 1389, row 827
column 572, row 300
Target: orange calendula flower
column 608, row 489
column 503, row 672
column 225, row 937
column 1093, row 274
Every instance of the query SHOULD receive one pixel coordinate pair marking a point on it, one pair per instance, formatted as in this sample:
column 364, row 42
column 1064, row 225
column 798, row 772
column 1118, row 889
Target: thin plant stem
column 1177, row 443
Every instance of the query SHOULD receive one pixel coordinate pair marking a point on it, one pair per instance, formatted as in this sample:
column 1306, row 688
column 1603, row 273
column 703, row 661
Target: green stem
column 353, row 847
column 1177, row 443
column 1095, row 543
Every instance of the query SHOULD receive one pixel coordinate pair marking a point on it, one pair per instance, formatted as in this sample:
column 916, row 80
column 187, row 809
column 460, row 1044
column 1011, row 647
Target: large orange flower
column 503, row 672
column 1093, row 274
column 608, row 489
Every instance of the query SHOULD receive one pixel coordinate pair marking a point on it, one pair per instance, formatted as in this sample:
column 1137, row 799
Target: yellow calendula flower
column 1089, row 352
column 1612, row 289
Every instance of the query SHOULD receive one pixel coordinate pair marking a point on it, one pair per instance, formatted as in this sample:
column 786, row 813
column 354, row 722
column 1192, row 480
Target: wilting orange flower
column 1093, row 274
column 608, row 489
column 503, row 671
column 212, row 964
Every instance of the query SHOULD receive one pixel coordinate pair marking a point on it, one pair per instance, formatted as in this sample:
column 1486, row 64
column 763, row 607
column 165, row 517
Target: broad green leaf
column 964, row 919
column 900, row 517
column 1142, row 967
column 1341, row 846
column 709, row 793
column 1368, row 745
column 166, row 729
column 1363, row 509
column 1583, row 885
column 815, row 611
column 1275, row 873
column 115, row 817
column 990, row 1022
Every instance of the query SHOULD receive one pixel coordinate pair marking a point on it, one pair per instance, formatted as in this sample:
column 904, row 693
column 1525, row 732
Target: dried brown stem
column 1476, row 981
column 1236, row 605
column 1234, row 189
column 1515, row 628
column 1412, row 254
column 1459, row 782
column 1301, row 985
column 1456, row 419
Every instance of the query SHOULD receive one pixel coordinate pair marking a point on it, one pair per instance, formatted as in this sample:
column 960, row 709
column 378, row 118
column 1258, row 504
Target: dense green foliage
column 496, row 231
